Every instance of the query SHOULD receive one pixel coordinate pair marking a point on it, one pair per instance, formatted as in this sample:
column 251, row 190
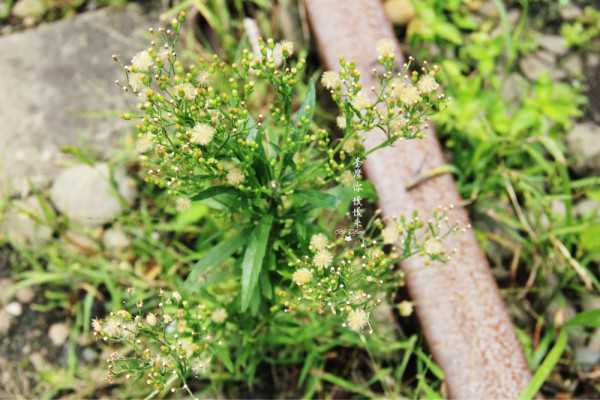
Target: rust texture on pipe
column 462, row 313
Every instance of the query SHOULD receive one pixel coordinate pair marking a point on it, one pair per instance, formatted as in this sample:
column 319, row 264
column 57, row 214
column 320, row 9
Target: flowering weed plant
column 272, row 178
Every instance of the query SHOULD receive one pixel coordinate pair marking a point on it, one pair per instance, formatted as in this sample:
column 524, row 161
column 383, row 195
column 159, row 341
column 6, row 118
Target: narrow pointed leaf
column 320, row 199
column 253, row 258
column 213, row 257
column 224, row 357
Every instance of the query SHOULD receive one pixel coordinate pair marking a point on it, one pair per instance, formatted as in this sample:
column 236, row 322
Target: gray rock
column 587, row 356
column 553, row 43
column 22, row 223
column 513, row 16
column 89, row 355
column 583, row 143
column 586, row 207
column 488, row 9
column 86, row 196
column 536, row 63
column 33, row 9
column 569, row 11
column 592, row 60
column 590, row 301
column 115, row 239
column 574, row 66
column 55, row 73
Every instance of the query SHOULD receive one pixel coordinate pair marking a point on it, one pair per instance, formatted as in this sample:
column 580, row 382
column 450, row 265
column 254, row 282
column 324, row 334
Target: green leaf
column 308, row 363
column 437, row 371
column 589, row 318
column 265, row 281
column 223, row 356
column 253, row 258
column 449, row 32
column 190, row 217
column 428, row 391
column 214, row 191
column 79, row 154
column 309, row 100
column 594, row 194
column 546, row 368
column 524, row 119
column 589, row 238
column 214, row 257
column 317, row 198
column 352, row 387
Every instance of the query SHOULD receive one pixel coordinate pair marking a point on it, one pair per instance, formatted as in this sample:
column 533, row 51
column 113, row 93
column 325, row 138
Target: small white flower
column 186, row 89
column 177, row 296
column 302, row 276
column 144, row 144
column 202, row 134
column 279, row 48
column 219, row 315
column 350, row 145
column 360, row 101
column 427, row 84
column 357, row 319
column 188, row 347
column 323, row 258
column 347, row 178
column 151, row 319
column 330, row 80
column 341, row 122
column 96, row 325
column 390, row 234
column 433, row 246
column 409, row 95
column 183, row 204
column 164, row 54
column 142, row 61
column 136, row 81
column 235, row 176
column 385, row 47
column 319, row 241
column 200, row 366
column 398, row 124
column 203, row 78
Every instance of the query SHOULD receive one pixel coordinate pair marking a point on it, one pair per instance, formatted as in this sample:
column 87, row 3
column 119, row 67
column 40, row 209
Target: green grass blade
column 589, row 318
column 546, row 368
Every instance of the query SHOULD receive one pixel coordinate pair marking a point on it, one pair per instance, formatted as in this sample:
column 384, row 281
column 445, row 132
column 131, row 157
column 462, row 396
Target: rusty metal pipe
column 462, row 313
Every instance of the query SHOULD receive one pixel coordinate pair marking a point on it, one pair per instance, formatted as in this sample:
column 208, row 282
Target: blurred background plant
column 507, row 133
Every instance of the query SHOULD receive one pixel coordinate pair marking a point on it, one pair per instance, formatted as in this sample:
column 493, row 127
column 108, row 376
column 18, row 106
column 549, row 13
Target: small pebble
column 38, row 362
column 5, row 284
column 25, row 294
column 58, row 333
column 14, row 309
column 89, row 355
